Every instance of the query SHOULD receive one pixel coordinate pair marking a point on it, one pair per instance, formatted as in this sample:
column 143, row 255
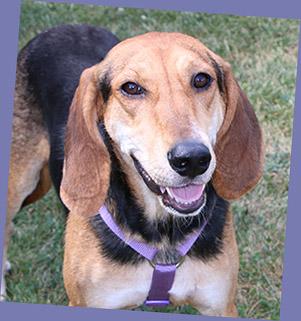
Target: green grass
column 263, row 53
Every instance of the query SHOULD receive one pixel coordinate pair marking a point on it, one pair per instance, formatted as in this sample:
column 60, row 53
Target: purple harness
column 163, row 274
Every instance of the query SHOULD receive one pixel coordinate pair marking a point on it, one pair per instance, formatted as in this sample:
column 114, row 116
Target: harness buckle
column 178, row 264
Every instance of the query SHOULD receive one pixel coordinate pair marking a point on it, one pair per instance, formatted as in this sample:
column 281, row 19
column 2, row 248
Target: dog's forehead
column 155, row 48
column 161, row 39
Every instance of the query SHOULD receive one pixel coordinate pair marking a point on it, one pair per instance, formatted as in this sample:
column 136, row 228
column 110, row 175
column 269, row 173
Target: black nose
column 189, row 158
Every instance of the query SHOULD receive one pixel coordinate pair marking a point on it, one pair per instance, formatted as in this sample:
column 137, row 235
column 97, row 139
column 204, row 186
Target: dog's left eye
column 201, row 80
column 131, row 88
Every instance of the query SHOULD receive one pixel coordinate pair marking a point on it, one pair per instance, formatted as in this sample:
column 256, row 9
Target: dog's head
column 177, row 119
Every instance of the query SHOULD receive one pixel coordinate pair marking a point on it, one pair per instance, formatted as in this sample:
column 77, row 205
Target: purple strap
column 163, row 274
column 162, row 281
column 144, row 249
column 189, row 241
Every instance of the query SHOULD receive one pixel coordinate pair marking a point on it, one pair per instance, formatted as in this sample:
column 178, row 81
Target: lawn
column 263, row 54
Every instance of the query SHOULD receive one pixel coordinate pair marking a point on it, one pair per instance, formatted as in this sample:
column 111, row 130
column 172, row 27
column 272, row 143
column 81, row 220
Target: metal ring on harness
column 179, row 263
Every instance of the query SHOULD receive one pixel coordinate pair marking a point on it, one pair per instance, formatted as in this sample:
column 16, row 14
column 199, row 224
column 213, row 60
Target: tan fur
column 28, row 172
column 148, row 127
column 42, row 187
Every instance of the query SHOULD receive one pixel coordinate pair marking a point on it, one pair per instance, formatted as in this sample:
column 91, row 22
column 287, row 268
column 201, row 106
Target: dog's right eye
column 202, row 80
column 131, row 88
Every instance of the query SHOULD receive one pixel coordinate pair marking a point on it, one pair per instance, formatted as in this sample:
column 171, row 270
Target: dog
column 158, row 139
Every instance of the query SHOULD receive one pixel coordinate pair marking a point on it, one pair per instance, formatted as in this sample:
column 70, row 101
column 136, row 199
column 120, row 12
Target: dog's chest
column 128, row 286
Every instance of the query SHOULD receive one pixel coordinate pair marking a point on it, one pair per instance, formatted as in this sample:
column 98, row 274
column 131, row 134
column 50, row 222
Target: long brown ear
column 87, row 164
column 239, row 146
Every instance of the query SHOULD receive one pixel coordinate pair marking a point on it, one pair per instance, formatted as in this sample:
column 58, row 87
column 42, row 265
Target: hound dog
column 159, row 138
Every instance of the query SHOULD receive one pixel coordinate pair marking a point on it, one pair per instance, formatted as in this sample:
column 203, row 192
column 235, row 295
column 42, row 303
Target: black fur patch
column 131, row 217
column 219, row 74
column 105, row 86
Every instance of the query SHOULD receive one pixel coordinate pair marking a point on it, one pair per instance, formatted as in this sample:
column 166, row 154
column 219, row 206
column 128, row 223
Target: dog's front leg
column 5, row 263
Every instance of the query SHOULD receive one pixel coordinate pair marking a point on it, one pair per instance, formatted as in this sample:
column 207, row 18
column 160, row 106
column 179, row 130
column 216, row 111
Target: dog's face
column 171, row 108
column 163, row 114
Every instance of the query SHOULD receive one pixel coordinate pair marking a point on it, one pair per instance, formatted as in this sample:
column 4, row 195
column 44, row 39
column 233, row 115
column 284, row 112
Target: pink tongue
column 188, row 193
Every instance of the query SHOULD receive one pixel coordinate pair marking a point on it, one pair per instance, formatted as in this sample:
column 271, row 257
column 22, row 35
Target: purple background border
column 9, row 22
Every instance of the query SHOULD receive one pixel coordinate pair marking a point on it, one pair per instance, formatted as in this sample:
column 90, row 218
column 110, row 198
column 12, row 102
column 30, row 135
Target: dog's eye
column 131, row 88
column 201, row 80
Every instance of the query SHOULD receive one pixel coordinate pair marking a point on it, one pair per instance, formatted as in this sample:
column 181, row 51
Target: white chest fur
column 202, row 285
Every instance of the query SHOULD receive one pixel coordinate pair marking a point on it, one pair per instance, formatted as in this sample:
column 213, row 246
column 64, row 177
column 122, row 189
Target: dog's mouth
column 188, row 199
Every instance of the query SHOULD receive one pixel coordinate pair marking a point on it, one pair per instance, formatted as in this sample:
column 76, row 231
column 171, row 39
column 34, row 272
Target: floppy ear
column 87, row 163
column 239, row 146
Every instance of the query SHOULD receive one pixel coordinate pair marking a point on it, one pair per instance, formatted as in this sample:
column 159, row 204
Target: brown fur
column 28, row 172
column 84, row 148
column 171, row 111
column 42, row 187
column 239, row 144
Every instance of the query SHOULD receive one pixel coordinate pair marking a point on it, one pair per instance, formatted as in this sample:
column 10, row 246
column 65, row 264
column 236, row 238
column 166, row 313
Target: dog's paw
column 7, row 269
column 3, row 291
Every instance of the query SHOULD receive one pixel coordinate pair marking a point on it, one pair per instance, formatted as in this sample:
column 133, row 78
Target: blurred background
column 263, row 55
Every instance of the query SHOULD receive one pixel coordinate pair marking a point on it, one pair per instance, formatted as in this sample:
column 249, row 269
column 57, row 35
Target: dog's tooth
column 170, row 193
column 162, row 189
